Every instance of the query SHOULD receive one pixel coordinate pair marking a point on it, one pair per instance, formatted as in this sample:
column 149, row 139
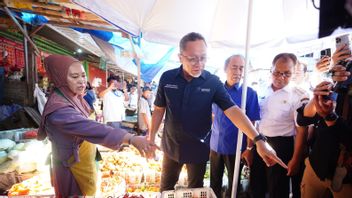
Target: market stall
column 17, row 162
column 123, row 173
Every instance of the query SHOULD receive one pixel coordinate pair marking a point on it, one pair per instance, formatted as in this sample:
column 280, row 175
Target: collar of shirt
column 179, row 73
column 287, row 88
column 236, row 86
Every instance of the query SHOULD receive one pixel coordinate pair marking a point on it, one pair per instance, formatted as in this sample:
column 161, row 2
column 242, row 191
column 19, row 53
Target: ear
column 180, row 57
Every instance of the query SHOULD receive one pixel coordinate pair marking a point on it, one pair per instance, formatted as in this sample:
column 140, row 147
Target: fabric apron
column 85, row 171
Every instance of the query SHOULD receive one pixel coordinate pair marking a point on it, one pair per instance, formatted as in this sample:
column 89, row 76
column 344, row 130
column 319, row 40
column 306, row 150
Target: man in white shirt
column 131, row 107
column 133, row 98
column 114, row 98
column 278, row 105
column 144, row 115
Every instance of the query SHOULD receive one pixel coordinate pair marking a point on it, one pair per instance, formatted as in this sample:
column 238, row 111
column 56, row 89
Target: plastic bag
column 41, row 99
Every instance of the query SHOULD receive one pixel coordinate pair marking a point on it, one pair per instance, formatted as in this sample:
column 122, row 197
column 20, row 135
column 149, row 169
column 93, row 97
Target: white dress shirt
column 278, row 110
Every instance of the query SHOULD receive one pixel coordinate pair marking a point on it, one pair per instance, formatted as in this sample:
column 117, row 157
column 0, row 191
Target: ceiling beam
column 32, row 33
column 85, row 26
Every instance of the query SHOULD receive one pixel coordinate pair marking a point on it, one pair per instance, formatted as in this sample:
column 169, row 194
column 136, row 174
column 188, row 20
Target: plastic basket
column 189, row 193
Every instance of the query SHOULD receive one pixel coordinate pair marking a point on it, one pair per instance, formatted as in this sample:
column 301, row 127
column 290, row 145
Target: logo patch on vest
column 171, row 86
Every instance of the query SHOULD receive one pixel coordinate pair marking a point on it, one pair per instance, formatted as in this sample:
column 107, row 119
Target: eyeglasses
column 279, row 74
column 195, row 60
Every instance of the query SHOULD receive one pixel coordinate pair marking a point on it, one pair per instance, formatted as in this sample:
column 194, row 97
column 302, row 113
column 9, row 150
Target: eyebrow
column 76, row 73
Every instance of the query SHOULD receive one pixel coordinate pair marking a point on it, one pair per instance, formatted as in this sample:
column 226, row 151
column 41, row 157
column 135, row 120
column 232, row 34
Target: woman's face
column 76, row 78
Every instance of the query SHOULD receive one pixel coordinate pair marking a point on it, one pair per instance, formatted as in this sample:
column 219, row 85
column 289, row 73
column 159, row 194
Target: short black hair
column 146, row 89
column 193, row 36
column 113, row 77
column 285, row 57
column 89, row 86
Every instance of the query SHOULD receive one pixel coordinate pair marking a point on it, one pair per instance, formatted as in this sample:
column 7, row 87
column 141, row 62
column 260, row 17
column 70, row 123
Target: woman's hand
column 144, row 146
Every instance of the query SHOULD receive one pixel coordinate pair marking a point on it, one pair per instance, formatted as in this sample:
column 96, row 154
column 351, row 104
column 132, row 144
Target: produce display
column 37, row 185
column 129, row 169
column 19, row 157
column 122, row 174
column 132, row 196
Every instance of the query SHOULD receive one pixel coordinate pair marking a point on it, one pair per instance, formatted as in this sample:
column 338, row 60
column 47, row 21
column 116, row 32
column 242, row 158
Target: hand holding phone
column 323, row 65
column 343, row 49
column 325, row 52
column 343, row 40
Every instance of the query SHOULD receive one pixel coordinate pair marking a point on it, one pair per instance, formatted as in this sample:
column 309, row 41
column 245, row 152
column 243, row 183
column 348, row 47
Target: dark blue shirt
column 90, row 98
column 188, row 113
column 224, row 132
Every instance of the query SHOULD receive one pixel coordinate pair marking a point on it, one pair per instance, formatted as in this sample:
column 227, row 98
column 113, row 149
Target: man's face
column 234, row 70
column 282, row 73
column 194, row 57
column 147, row 94
column 116, row 84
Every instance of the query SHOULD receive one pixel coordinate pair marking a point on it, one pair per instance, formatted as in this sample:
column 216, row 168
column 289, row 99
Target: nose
column 83, row 80
column 197, row 62
column 236, row 71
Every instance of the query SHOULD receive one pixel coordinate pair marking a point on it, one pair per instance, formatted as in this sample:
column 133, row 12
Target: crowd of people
column 298, row 138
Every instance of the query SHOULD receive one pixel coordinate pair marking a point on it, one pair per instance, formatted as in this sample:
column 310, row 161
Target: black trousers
column 274, row 179
column 171, row 171
column 218, row 162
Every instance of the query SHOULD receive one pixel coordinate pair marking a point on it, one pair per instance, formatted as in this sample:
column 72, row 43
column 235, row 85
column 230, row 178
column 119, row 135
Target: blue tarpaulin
column 32, row 19
column 155, row 56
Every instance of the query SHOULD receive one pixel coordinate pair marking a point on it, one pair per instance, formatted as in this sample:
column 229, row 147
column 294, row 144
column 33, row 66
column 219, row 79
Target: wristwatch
column 331, row 117
column 259, row 137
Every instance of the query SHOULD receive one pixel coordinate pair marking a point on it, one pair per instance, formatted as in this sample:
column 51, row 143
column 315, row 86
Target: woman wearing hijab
column 73, row 136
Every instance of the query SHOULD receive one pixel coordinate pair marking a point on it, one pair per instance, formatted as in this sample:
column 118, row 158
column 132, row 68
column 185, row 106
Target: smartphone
column 325, row 52
column 331, row 96
column 343, row 40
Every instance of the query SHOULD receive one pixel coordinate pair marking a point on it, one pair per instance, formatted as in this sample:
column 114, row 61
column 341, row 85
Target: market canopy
column 222, row 22
column 59, row 12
